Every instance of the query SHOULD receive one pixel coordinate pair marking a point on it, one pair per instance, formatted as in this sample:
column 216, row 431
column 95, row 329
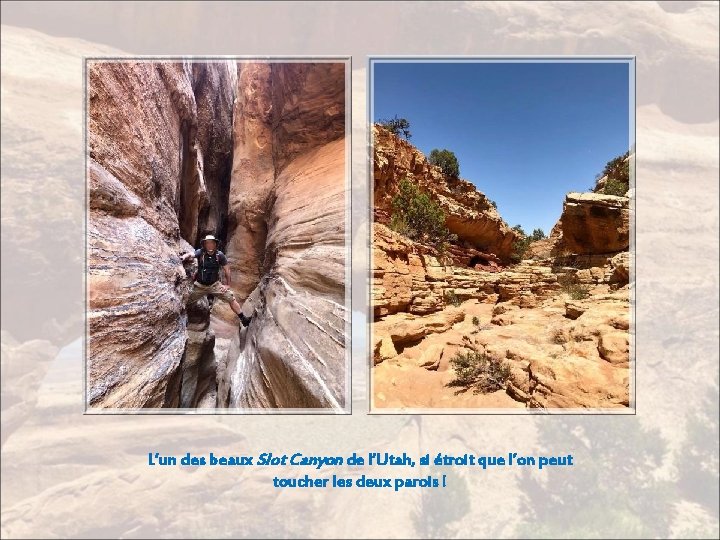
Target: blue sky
column 524, row 133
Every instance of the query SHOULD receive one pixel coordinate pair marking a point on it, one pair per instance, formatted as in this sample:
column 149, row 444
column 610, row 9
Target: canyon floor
column 403, row 382
column 567, row 351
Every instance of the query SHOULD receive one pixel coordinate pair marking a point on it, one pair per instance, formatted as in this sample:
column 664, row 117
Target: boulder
column 594, row 223
column 614, row 347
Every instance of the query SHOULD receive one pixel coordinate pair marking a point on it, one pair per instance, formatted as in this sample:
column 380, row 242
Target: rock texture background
column 45, row 486
column 174, row 155
column 427, row 307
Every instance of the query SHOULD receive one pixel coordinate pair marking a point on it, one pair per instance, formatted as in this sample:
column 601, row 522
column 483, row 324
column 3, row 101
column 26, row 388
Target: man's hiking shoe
column 245, row 320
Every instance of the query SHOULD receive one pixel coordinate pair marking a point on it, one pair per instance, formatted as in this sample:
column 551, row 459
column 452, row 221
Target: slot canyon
column 253, row 153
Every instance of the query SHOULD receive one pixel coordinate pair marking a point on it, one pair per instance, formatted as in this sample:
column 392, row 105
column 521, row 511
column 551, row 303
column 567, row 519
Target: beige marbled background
column 650, row 475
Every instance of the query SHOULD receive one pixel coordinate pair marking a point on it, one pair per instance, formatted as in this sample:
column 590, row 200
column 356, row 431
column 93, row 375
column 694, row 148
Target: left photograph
column 217, row 239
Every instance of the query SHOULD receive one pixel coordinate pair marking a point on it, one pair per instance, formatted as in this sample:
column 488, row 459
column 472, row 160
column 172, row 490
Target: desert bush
column 492, row 203
column 447, row 161
column 451, row 298
column 397, row 126
column 557, row 335
column 418, row 217
column 576, row 291
column 476, row 321
column 478, row 371
column 537, row 234
column 617, row 171
column 615, row 187
column 400, row 225
column 521, row 245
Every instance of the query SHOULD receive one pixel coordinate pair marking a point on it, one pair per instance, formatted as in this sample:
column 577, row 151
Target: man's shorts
column 217, row 289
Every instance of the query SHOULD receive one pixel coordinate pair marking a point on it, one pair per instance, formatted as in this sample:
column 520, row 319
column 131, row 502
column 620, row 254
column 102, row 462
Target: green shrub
column 492, row 203
column 478, row 371
column 617, row 171
column 615, row 187
column 400, row 225
column 520, row 246
column 576, row 291
column 476, row 321
column 397, row 126
column 418, row 217
column 451, row 298
column 537, row 234
column 447, row 161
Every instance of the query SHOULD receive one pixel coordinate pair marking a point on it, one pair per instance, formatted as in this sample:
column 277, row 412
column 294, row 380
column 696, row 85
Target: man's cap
column 209, row 237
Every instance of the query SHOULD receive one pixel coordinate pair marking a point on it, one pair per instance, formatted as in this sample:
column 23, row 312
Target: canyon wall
column 286, row 237
column 593, row 224
column 159, row 137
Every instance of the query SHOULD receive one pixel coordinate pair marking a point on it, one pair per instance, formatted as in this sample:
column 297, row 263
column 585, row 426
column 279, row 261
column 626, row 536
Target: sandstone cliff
column 593, row 224
column 155, row 131
column 468, row 213
column 253, row 152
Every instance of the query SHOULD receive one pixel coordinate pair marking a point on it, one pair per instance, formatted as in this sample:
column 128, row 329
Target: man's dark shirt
column 209, row 265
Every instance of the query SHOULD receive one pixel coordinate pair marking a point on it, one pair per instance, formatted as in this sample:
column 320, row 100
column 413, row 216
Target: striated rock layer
column 592, row 223
column 286, row 237
column 156, row 132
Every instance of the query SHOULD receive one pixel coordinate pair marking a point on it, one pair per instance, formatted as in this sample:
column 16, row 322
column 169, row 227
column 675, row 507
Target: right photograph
column 502, row 235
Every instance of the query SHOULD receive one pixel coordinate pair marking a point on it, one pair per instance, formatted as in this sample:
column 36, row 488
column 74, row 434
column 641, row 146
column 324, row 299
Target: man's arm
column 185, row 257
column 226, row 273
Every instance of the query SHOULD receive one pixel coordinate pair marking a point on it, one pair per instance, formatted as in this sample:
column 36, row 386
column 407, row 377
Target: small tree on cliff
column 418, row 217
column 617, row 171
column 447, row 161
column 397, row 126
column 521, row 245
column 537, row 234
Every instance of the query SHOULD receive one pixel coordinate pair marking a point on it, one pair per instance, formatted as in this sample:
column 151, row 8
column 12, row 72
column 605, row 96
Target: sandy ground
column 402, row 382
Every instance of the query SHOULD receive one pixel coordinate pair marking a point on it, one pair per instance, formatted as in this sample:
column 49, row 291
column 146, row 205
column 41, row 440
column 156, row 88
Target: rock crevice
column 159, row 137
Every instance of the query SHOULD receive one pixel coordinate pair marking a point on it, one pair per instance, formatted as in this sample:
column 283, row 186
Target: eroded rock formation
column 558, row 319
column 592, row 224
column 159, row 137
column 287, row 198
column 468, row 212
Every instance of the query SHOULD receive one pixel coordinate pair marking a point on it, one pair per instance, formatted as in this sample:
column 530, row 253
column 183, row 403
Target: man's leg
column 224, row 292
column 236, row 307
column 197, row 292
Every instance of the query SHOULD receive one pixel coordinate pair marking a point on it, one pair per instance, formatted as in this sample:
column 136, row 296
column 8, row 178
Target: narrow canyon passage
column 250, row 152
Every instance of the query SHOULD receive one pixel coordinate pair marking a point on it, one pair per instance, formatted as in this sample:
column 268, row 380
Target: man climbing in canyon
column 207, row 278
